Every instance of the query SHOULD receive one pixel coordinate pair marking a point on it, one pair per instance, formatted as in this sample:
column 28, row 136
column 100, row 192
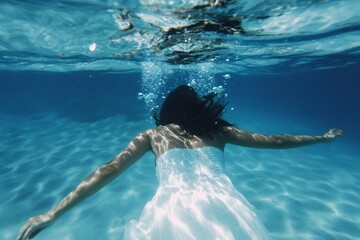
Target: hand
column 333, row 133
column 34, row 226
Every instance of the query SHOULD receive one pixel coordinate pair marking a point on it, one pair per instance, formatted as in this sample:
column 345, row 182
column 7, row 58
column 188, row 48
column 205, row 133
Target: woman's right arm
column 93, row 183
column 240, row 137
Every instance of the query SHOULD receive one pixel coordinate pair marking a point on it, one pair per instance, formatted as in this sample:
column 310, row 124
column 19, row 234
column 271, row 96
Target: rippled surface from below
column 239, row 36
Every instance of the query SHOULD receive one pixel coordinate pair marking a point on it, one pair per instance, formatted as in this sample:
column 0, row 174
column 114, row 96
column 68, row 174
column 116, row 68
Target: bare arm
column 93, row 183
column 240, row 137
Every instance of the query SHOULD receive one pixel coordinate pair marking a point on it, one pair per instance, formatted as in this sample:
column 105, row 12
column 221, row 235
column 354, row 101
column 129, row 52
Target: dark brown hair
column 197, row 115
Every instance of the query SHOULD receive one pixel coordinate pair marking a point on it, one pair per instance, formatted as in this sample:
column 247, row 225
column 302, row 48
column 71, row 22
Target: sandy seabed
column 305, row 193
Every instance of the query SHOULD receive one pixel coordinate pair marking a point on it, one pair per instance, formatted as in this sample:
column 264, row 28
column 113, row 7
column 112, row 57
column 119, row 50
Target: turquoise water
column 66, row 108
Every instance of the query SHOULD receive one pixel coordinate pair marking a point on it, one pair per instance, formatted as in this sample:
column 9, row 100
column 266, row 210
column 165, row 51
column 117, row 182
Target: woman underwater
column 195, row 198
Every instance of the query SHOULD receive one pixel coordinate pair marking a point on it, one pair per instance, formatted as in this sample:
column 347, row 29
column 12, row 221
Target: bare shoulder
column 235, row 135
column 144, row 135
column 167, row 129
column 231, row 130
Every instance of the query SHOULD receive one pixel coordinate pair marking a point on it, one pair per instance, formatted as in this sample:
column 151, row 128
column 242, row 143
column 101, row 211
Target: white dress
column 195, row 200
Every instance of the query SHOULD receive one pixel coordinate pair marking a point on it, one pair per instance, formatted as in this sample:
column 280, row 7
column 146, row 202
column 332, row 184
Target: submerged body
column 195, row 199
column 163, row 141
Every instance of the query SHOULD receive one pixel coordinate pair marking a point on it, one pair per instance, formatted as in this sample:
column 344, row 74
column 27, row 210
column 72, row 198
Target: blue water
column 66, row 108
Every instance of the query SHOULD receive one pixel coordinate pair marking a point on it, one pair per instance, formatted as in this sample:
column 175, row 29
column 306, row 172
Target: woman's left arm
column 93, row 183
column 256, row 140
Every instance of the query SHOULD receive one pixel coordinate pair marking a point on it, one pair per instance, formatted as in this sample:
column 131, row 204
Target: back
column 172, row 136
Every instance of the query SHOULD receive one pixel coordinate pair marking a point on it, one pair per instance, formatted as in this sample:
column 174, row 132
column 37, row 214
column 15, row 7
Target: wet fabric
column 195, row 200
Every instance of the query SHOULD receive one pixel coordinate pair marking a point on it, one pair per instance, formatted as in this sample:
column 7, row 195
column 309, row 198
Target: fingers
column 340, row 132
column 27, row 232
column 34, row 226
column 36, row 232
column 333, row 133
column 337, row 132
column 24, row 234
column 20, row 237
column 24, row 230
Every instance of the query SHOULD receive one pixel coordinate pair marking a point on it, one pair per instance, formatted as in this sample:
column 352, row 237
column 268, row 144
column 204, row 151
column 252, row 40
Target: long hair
column 196, row 115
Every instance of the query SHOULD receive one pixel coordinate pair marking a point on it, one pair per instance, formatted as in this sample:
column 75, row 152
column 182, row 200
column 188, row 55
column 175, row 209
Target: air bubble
column 92, row 47
column 218, row 89
column 227, row 76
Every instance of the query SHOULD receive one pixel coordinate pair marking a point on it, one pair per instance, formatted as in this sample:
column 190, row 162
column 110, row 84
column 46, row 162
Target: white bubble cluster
column 153, row 80
column 203, row 78
column 148, row 98
column 218, row 89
